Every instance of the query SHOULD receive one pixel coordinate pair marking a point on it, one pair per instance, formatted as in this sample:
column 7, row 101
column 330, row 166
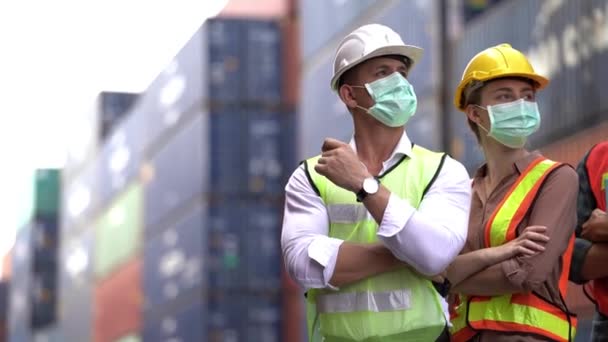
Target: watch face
column 370, row 185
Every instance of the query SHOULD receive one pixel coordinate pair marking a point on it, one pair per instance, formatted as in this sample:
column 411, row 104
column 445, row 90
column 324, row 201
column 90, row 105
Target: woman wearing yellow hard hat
column 511, row 277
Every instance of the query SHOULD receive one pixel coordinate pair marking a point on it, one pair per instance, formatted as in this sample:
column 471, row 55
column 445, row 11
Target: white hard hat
column 367, row 42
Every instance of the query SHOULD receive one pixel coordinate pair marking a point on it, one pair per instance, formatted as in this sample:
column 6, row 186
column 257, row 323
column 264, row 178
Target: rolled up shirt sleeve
column 309, row 254
column 430, row 237
column 554, row 208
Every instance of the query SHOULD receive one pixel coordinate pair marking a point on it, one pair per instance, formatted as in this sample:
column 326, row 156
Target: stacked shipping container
column 33, row 286
column 171, row 230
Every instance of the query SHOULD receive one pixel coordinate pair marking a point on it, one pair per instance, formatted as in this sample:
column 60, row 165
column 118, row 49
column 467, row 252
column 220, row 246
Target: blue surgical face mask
column 512, row 123
column 395, row 100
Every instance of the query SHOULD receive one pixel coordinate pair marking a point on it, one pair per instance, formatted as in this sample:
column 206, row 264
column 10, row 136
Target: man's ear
column 347, row 96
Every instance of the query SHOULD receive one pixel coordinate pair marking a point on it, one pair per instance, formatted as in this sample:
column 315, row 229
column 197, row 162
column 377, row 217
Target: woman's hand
column 530, row 242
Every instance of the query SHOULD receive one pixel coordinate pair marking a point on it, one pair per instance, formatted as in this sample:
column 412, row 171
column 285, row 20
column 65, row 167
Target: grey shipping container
column 113, row 107
column 176, row 174
column 325, row 20
column 76, row 287
column 564, row 42
column 50, row 334
column 121, row 156
column 80, row 202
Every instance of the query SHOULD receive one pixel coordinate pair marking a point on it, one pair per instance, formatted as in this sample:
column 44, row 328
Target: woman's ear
column 473, row 113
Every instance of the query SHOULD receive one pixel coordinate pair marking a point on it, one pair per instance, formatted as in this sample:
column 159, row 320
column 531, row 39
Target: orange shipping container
column 118, row 302
column 7, row 265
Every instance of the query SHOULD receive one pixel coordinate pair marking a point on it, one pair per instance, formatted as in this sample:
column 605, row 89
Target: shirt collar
column 404, row 146
column 519, row 166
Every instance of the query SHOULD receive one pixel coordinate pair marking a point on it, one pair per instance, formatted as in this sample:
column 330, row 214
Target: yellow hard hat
column 496, row 62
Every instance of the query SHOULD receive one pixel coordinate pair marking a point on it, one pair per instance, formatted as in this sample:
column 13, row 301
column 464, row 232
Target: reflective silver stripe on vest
column 364, row 301
column 347, row 213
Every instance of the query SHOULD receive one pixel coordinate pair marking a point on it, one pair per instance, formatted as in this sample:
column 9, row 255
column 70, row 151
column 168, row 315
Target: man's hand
column 596, row 227
column 340, row 164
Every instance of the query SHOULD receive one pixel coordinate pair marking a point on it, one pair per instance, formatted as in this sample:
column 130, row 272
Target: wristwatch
column 370, row 187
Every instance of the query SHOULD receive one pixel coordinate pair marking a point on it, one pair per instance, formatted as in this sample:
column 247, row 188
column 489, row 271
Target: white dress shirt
column 427, row 238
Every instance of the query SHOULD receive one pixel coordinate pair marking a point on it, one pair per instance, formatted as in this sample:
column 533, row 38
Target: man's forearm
column 489, row 282
column 358, row 261
column 594, row 266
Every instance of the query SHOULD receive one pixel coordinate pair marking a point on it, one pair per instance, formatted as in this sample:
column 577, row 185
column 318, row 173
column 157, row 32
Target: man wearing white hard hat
column 369, row 222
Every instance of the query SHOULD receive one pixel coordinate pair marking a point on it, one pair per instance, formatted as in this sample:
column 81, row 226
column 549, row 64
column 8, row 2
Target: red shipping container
column 118, row 301
column 290, row 55
column 572, row 149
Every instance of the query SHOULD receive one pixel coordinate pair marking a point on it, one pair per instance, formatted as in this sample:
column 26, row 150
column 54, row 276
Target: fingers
column 330, row 144
column 534, row 246
column 598, row 212
column 533, row 236
column 537, row 229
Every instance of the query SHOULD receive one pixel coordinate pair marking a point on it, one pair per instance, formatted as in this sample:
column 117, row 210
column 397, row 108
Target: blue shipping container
column 184, row 325
column 246, row 152
column 244, row 240
column 234, row 317
column 263, row 62
column 43, row 298
column 45, row 242
column 177, row 173
column 121, row 156
column 175, row 261
column 226, row 60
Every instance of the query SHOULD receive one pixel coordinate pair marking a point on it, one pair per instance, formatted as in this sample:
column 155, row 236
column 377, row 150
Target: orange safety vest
column 597, row 171
column 521, row 312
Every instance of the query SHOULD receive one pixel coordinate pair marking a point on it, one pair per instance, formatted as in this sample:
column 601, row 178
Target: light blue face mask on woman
column 395, row 100
column 512, row 123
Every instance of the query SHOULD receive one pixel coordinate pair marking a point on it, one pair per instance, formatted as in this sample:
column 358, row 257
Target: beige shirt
column 555, row 208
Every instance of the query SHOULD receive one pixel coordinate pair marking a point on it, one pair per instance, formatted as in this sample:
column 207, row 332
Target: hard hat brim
column 540, row 80
column 414, row 53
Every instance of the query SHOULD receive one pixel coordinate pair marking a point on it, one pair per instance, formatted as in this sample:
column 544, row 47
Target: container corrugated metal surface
column 553, row 36
column 175, row 261
column 43, row 298
column 118, row 302
column 244, row 245
column 118, row 231
column 325, row 20
column 187, row 324
column 120, row 157
column 81, row 142
column 226, row 60
column 113, row 107
column 51, row 334
column 175, row 174
column 80, row 199
column 19, row 289
column 179, row 89
column 76, row 287
column 263, row 63
column 235, row 317
column 47, row 192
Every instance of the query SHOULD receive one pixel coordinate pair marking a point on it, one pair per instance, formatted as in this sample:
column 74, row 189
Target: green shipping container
column 118, row 231
column 47, row 192
column 130, row 338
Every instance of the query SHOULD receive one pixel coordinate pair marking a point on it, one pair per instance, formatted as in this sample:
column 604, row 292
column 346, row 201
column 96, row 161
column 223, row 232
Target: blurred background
column 147, row 146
